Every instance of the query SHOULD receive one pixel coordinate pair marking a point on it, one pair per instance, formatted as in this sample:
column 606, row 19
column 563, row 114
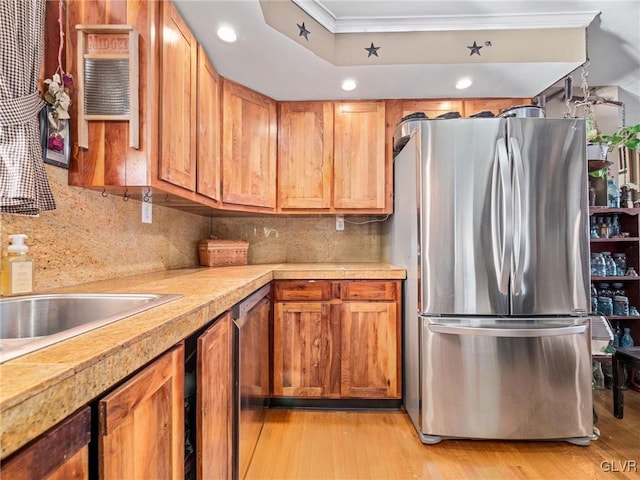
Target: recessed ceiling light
column 227, row 34
column 463, row 83
column 348, row 85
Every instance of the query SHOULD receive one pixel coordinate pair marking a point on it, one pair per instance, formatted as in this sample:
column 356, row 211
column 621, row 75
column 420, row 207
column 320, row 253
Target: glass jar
column 620, row 259
column 633, row 311
column 631, row 272
column 618, row 290
column 626, row 340
column 610, row 265
column 604, row 290
column 594, row 231
column 615, row 227
column 598, row 265
column 605, row 306
column 620, row 306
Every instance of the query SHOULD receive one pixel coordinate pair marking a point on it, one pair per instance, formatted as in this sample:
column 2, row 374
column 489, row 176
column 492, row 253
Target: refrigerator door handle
column 508, row 332
column 501, row 216
column 519, row 199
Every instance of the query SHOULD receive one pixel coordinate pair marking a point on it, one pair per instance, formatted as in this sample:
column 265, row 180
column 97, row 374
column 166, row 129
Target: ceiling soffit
column 536, row 38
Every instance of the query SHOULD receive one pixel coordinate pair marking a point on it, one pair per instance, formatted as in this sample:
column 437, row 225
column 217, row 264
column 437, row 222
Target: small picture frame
column 56, row 144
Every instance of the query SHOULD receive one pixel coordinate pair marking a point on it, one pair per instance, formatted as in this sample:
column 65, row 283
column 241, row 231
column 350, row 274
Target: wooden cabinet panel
column 305, row 155
column 431, row 108
column 494, row 105
column 369, row 350
column 256, row 340
column 370, row 290
column 215, row 401
column 306, row 350
column 178, row 100
column 142, row 423
column 249, row 147
column 359, row 155
column 60, row 454
column 337, row 339
column 208, row 136
column 302, row 290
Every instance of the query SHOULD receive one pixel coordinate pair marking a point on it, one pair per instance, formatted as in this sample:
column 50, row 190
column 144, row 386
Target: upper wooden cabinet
column 179, row 54
column 209, row 112
column 305, row 155
column 431, row 108
column 177, row 109
column 493, row 105
column 249, row 148
column 331, row 158
column 360, row 178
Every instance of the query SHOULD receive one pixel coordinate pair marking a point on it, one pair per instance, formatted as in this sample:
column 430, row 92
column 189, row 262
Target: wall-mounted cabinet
column 177, row 105
column 332, row 159
column 209, row 121
column 177, row 84
column 249, row 148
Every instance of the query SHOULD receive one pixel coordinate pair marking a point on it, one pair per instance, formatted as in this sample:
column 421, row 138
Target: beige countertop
column 40, row 389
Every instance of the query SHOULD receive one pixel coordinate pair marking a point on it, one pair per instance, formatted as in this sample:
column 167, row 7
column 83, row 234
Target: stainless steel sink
column 35, row 321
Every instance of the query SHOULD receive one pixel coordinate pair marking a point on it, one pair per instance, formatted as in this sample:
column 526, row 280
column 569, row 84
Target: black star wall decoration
column 303, row 31
column 372, row 50
column 475, row 48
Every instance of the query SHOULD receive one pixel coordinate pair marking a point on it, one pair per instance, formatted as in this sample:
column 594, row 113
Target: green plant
column 628, row 136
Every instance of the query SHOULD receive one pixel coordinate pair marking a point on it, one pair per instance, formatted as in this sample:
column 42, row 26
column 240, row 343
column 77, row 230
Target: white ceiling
column 283, row 68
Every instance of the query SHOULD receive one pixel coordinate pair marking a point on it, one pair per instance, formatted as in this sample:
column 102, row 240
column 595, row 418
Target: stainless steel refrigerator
column 491, row 222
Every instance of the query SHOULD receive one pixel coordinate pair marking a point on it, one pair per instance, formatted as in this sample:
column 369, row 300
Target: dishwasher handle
column 508, row 332
column 240, row 309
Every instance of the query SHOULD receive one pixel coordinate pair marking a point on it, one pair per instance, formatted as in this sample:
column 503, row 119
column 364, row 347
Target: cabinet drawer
column 302, row 290
column 370, row 290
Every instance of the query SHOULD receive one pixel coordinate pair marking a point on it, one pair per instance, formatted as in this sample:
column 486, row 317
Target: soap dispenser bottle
column 17, row 268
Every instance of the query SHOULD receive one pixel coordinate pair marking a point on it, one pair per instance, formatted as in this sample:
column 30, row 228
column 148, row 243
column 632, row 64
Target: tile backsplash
column 90, row 237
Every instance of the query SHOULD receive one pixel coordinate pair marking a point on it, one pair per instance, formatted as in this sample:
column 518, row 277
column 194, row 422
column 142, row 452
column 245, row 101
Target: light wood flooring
column 321, row 444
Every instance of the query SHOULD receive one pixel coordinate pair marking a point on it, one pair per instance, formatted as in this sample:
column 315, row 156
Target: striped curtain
column 24, row 187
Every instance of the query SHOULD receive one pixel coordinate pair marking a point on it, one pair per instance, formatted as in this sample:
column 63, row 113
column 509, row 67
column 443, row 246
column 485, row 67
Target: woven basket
column 221, row 253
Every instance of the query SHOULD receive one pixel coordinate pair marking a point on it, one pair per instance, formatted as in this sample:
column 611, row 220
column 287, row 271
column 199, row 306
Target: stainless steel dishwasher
column 251, row 375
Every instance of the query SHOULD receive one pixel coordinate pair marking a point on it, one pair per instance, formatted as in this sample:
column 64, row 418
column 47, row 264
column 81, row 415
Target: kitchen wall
column 90, row 237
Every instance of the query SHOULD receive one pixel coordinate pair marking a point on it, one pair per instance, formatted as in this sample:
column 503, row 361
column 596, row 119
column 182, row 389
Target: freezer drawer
column 506, row 379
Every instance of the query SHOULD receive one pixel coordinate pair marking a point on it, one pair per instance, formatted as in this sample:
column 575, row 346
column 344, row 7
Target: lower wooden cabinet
column 214, row 405
column 60, row 454
column 369, row 350
column 141, row 423
column 337, row 339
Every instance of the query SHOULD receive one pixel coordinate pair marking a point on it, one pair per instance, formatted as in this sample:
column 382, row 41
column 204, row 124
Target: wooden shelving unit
column 629, row 219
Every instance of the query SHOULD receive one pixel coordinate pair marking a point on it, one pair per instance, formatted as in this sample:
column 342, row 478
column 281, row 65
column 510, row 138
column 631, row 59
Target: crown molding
column 426, row 23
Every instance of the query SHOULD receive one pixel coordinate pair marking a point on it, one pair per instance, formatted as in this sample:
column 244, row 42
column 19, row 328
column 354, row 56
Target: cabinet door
column 360, row 179
column 249, row 147
column 208, row 137
column 494, row 105
column 431, row 108
column 141, row 432
column 306, row 352
column 60, row 454
column 215, row 400
column 370, row 345
column 177, row 100
column 305, row 155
